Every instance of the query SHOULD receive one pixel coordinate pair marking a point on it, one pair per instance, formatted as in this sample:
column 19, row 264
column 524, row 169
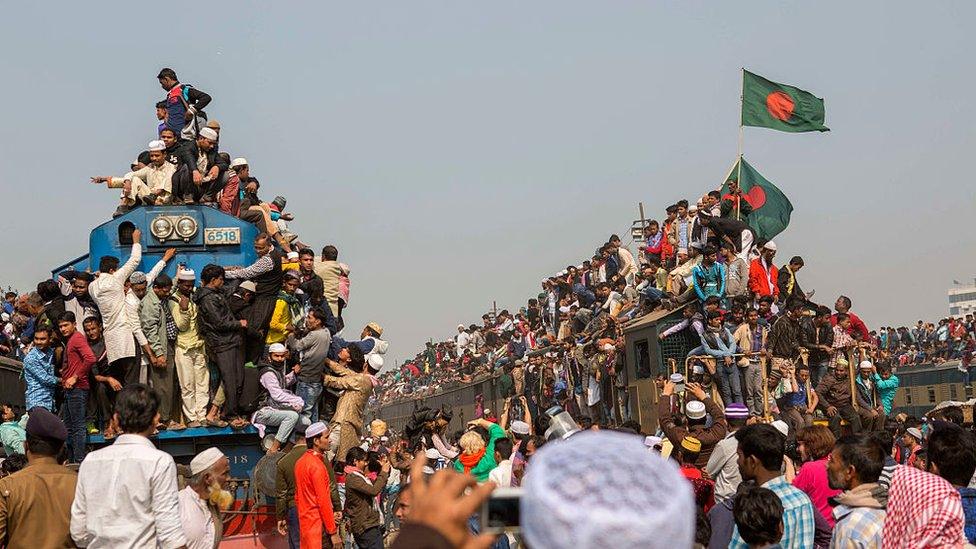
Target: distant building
column 962, row 300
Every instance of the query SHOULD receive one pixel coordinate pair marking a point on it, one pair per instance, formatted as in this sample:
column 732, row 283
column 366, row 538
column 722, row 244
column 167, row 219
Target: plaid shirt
column 798, row 520
column 923, row 511
column 857, row 528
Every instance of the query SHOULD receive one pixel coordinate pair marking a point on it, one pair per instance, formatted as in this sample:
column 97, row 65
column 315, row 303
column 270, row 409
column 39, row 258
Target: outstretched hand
column 441, row 504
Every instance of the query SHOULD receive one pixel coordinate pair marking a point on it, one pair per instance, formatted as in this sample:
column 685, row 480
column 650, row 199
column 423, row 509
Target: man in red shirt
column 858, row 329
column 78, row 362
column 763, row 274
column 313, row 500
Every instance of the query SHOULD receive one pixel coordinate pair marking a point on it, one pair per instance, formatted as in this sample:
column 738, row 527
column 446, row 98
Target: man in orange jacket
column 763, row 274
column 312, row 492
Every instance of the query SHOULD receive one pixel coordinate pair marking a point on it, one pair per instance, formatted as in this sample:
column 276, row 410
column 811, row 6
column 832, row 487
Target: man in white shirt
column 108, row 291
column 151, row 184
column 462, row 340
column 204, row 498
column 502, row 474
column 126, row 494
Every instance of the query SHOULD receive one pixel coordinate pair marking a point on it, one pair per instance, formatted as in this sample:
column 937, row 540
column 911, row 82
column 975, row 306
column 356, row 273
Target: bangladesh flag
column 768, row 104
column 770, row 208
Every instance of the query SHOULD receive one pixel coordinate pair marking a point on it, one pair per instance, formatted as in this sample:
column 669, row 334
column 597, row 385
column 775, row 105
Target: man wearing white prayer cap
column 203, row 499
column 150, row 185
column 566, row 506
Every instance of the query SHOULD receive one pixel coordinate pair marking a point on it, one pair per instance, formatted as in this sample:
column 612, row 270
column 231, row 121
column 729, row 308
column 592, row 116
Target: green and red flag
column 769, row 104
column 770, row 208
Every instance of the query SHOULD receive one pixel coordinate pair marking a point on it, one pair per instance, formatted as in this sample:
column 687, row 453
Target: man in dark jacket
column 696, row 420
column 223, row 334
column 733, row 231
column 200, row 169
column 818, row 337
column 183, row 101
column 364, row 519
column 834, row 391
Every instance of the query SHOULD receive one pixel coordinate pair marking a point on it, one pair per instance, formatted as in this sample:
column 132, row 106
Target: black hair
column 163, row 281
column 43, row 446
column 306, row 252
column 865, row 455
column 83, row 275
column 671, row 209
column 167, row 129
column 143, row 157
column 846, row 301
column 766, row 299
column 823, row 310
column 67, row 316
column 10, row 294
column 355, row 454
column 44, row 329
column 160, row 104
column 953, row 414
column 709, row 250
column 12, row 464
column 758, row 514
column 211, row 272
column 357, row 360
column 794, row 304
column 953, row 450
column 842, row 317
column 682, row 204
column 108, row 263
column 137, row 405
column 48, row 290
column 330, row 253
column 714, row 194
column 763, row 442
column 504, row 447
column 94, row 318
column 712, row 300
column 796, row 260
column 167, row 73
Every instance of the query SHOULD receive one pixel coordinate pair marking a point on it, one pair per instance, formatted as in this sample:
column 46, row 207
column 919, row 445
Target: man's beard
column 219, row 498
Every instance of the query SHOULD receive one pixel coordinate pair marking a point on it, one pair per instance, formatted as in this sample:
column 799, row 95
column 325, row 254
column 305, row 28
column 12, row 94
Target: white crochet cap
column 598, row 486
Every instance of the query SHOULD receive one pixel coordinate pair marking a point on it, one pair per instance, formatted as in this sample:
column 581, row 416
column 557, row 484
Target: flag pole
column 738, row 175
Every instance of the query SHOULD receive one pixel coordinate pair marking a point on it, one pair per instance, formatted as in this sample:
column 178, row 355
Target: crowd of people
column 781, row 434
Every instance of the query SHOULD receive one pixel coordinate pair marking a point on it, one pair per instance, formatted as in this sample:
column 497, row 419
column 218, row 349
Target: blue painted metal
column 242, row 447
column 109, row 239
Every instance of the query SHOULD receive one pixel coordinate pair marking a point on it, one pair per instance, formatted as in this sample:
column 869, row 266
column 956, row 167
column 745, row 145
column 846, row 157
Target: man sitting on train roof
column 150, row 185
column 253, row 210
column 200, row 171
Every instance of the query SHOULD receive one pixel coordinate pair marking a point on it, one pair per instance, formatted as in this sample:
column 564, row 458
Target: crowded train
column 773, row 425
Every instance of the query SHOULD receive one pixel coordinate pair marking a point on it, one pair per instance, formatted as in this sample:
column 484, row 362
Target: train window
column 953, row 392
column 642, row 359
column 125, row 233
column 931, row 395
column 969, row 391
column 908, row 396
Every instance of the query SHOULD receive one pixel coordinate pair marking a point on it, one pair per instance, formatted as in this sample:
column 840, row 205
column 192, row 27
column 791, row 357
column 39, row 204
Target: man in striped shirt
column 760, row 458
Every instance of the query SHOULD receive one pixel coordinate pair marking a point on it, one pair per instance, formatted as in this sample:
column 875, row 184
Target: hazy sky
column 456, row 152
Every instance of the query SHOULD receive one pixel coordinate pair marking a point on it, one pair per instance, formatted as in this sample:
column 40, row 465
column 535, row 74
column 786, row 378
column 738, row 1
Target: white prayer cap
column 770, row 245
column 519, row 427
column 238, row 162
column 248, row 285
column 276, row 348
column 292, row 255
column 608, row 347
column 866, row 365
column 137, row 277
column 157, row 145
column 782, row 427
column 315, row 429
column 565, row 505
column 432, row 454
column 208, row 133
column 205, row 460
column 186, row 274
column 375, row 362
column 651, row 441
column 695, row 409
